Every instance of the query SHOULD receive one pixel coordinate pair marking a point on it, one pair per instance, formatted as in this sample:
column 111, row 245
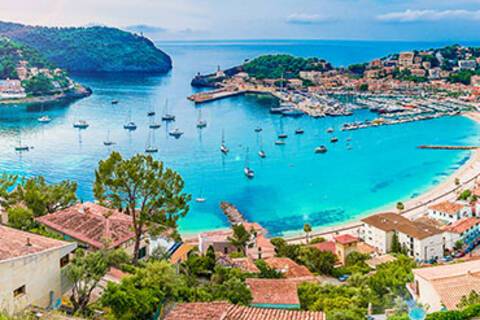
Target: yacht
column 223, row 147
column 258, row 129
column 81, row 124
column 330, row 130
column 154, row 125
column 151, row 148
column 262, row 154
column 201, row 123
column 20, row 147
column 177, row 133
column 299, row 131
column 114, row 101
column 249, row 173
column 282, row 136
column 200, row 200
column 151, row 113
column 321, row 149
column 44, row 119
column 167, row 116
column 334, row 139
column 280, row 142
column 108, row 142
column 130, row 126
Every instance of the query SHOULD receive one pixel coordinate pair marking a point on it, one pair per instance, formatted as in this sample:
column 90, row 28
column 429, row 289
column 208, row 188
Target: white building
column 423, row 242
column 467, row 230
column 444, row 286
column 467, row 64
column 31, row 270
column 449, row 212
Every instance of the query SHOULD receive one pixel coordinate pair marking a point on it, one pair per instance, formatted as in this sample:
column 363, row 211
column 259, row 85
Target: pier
column 232, row 213
column 434, row 147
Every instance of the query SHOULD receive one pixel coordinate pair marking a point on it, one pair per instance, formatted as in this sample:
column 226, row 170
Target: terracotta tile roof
column 390, row 221
column 462, row 225
column 273, row 291
column 365, row 248
column 15, row 243
column 92, row 224
column 226, row 311
column 288, row 267
column 245, row 264
column 453, row 281
column 345, row 239
column 447, row 207
column 326, row 246
column 376, row 261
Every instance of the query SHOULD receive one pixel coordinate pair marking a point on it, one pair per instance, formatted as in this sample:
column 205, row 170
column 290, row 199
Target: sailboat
column 261, row 152
column 223, row 147
column 176, row 133
column 151, row 148
column 45, row 118
column 130, row 125
column 151, row 113
column 20, row 146
column 201, row 123
column 108, row 142
column 167, row 116
column 282, row 134
column 81, row 124
column 249, row 173
column 114, row 101
column 153, row 124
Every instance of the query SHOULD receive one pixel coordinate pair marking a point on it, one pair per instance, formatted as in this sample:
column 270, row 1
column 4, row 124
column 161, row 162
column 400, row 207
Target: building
column 444, row 286
column 405, row 59
column 31, row 270
column 273, row 293
column 95, row 227
column 11, row 89
column 259, row 247
column 475, row 80
column 227, row 311
column 449, row 212
column 422, row 241
column 288, row 267
column 467, row 64
column 341, row 246
column 466, row 230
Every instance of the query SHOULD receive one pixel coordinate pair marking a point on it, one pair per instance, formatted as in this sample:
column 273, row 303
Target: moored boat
column 321, row 149
column 299, row 131
column 44, row 119
column 177, row 133
column 130, row 126
column 81, row 124
column 334, row 139
column 282, row 136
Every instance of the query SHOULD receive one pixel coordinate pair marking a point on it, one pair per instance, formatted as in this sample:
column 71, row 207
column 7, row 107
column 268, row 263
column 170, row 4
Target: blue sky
column 262, row 19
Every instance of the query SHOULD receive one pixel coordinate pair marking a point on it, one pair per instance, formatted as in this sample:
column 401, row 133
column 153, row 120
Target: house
column 422, row 241
column 449, row 211
column 444, row 286
column 31, row 270
column 227, row 311
column 466, row 230
column 259, row 247
column 467, row 64
column 405, row 59
column 288, row 267
column 273, row 293
column 11, row 89
column 475, row 80
column 95, row 227
column 341, row 246
column 379, row 260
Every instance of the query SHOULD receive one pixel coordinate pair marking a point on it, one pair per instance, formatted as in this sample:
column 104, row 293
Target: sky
column 453, row 20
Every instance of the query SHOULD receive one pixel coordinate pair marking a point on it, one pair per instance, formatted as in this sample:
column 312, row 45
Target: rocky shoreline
column 76, row 93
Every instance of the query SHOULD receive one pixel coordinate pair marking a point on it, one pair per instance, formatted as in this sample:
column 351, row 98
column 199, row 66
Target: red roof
column 288, row 267
column 326, row 246
column 226, row 311
column 92, row 224
column 15, row 243
column 346, row 239
column 273, row 291
column 462, row 225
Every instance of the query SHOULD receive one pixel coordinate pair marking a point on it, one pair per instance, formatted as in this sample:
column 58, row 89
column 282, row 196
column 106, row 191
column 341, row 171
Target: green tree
column 472, row 298
column 85, row 273
column 465, row 195
column 144, row 189
column 140, row 295
column 43, row 198
column 307, row 228
column 316, row 260
column 7, row 182
column 240, row 237
column 396, row 246
column 20, row 218
column 400, row 206
column 267, row 272
column 38, row 85
column 458, row 245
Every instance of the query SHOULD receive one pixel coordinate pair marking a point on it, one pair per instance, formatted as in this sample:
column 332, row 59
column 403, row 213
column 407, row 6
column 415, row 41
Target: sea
column 367, row 171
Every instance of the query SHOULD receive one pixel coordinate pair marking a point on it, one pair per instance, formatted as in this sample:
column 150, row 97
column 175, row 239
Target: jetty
column 436, row 147
column 232, row 213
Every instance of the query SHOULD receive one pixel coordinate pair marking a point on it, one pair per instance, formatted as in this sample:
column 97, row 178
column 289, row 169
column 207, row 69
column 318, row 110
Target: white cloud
column 304, row 18
column 429, row 15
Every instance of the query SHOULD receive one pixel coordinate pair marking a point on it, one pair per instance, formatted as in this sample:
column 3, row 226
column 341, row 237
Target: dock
column 232, row 213
column 436, row 147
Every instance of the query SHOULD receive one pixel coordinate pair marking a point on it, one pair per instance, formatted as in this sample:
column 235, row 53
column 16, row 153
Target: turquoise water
column 292, row 185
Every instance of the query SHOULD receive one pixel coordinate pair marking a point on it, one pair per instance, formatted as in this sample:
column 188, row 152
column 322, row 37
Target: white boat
column 108, row 142
column 151, row 145
column 201, row 123
column 200, row 200
column 130, row 126
column 321, row 149
column 330, row 130
column 167, row 116
column 44, row 119
column 262, row 154
column 249, row 173
column 280, row 142
column 81, row 124
column 223, row 147
column 177, row 133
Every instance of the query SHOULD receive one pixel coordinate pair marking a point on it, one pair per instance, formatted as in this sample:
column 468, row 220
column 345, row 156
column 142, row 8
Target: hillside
column 25, row 73
column 93, row 49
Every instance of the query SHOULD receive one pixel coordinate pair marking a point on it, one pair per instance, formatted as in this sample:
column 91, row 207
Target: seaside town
column 112, row 242
column 403, row 87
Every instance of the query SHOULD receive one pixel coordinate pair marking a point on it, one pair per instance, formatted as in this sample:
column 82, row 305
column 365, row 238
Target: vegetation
column 94, row 49
column 307, row 228
column 145, row 190
column 240, row 238
column 286, row 66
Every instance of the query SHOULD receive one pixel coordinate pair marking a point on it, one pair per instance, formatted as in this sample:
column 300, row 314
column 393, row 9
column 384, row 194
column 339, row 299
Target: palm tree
column 240, row 237
column 400, row 206
column 307, row 228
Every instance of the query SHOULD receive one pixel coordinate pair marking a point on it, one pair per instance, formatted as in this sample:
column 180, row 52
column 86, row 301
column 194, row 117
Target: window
column 64, row 261
column 225, row 250
column 19, row 291
column 142, row 252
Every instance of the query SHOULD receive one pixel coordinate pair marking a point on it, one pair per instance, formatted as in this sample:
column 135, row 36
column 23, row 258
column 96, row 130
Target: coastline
column 467, row 174
column 78, row 93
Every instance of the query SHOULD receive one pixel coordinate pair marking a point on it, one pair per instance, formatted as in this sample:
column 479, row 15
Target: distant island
column 27, row 77
column 91, row 49
column 401, row 87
